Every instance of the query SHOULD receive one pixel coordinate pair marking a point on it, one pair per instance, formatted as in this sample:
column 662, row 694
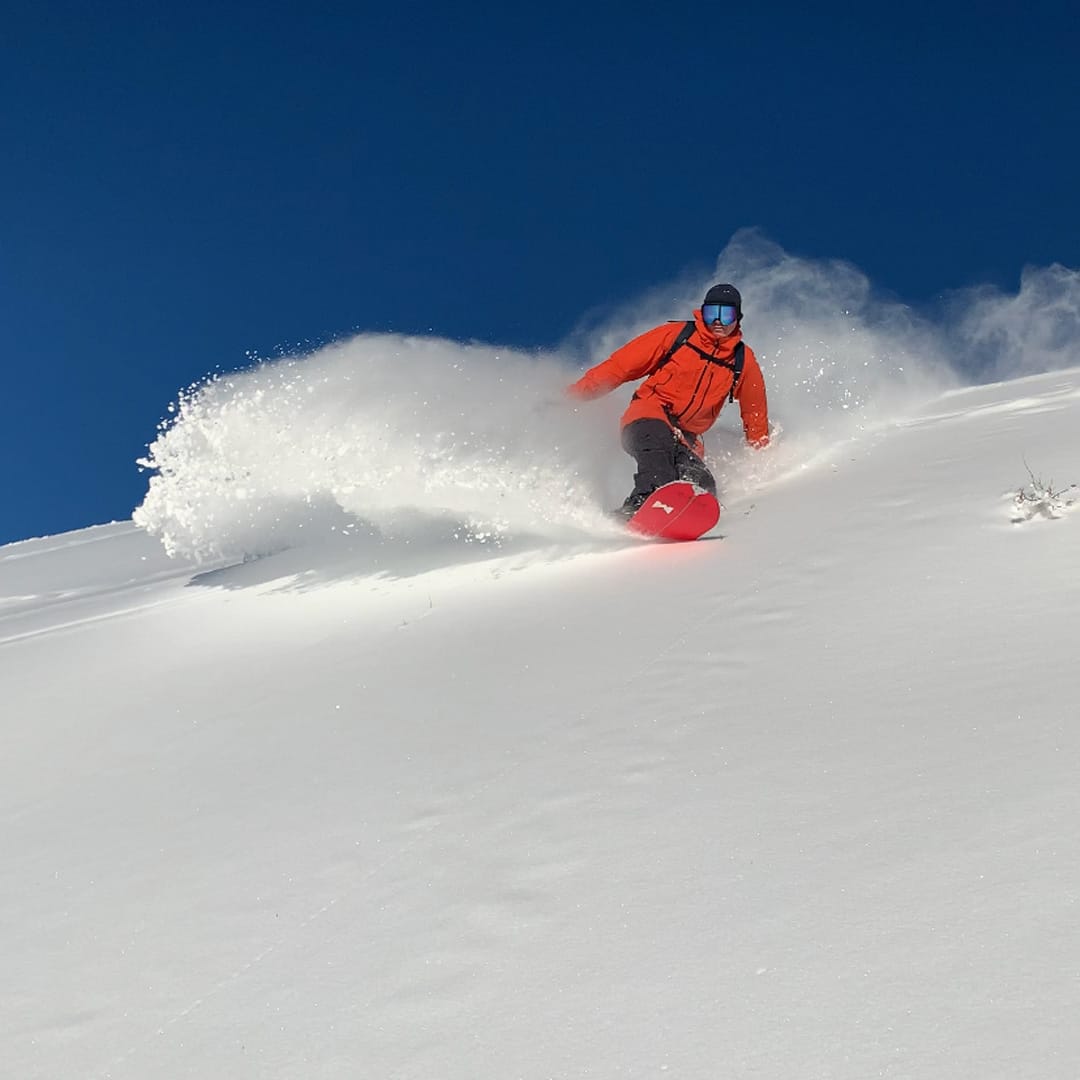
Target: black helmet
column 724, row 294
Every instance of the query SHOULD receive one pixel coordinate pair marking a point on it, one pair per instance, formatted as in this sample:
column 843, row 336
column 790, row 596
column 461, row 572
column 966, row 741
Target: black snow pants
column 662, row 457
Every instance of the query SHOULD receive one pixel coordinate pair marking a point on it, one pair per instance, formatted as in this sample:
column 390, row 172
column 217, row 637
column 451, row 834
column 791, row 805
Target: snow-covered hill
column 456, row 781
column 797, row 800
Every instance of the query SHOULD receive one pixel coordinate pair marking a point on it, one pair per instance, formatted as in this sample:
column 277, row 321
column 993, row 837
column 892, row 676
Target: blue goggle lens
column 725, row 313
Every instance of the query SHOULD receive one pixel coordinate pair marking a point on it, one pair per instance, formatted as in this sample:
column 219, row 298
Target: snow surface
column 457, row 781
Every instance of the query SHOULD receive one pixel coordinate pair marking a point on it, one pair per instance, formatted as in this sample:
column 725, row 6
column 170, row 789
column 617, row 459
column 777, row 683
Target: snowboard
column 676, row 511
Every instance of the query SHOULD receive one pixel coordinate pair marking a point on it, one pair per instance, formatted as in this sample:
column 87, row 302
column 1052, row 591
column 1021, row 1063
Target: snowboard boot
column 631, row 505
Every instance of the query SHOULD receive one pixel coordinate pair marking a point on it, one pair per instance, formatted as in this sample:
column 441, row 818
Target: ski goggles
column 725, row 313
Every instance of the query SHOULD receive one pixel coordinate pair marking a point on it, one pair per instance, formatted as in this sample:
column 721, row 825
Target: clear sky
column 184, row 188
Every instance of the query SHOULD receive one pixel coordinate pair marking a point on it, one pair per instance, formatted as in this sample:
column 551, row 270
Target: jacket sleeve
column 753, row 404
column 634, row 360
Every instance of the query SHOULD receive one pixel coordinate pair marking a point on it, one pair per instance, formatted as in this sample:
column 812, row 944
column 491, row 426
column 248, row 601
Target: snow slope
column 457, row 781
column 797, row 801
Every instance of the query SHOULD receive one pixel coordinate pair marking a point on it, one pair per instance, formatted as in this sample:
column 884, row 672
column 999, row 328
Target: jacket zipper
column 690, row 409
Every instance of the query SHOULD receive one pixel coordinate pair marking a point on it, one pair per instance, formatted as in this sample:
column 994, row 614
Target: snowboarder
column 693, row 368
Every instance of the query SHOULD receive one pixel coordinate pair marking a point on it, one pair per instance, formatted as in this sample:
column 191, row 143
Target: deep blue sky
column 182, row 187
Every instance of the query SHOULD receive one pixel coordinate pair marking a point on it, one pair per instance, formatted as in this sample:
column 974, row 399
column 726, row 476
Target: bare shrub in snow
column 1039, row 499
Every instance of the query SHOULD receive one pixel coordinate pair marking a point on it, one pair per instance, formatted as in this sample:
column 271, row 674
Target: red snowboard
column 678, row 511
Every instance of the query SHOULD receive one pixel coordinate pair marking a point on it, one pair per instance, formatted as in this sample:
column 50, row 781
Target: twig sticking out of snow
column 1039, row 499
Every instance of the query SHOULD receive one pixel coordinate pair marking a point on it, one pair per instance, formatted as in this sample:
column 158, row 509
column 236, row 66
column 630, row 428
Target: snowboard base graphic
column 676, row 511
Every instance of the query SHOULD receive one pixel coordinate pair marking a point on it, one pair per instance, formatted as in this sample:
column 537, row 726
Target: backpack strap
column 738, row 358
column 681, row 339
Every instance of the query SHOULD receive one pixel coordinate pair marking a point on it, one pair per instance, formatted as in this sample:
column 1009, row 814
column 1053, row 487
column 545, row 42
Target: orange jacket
column 688, row 391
